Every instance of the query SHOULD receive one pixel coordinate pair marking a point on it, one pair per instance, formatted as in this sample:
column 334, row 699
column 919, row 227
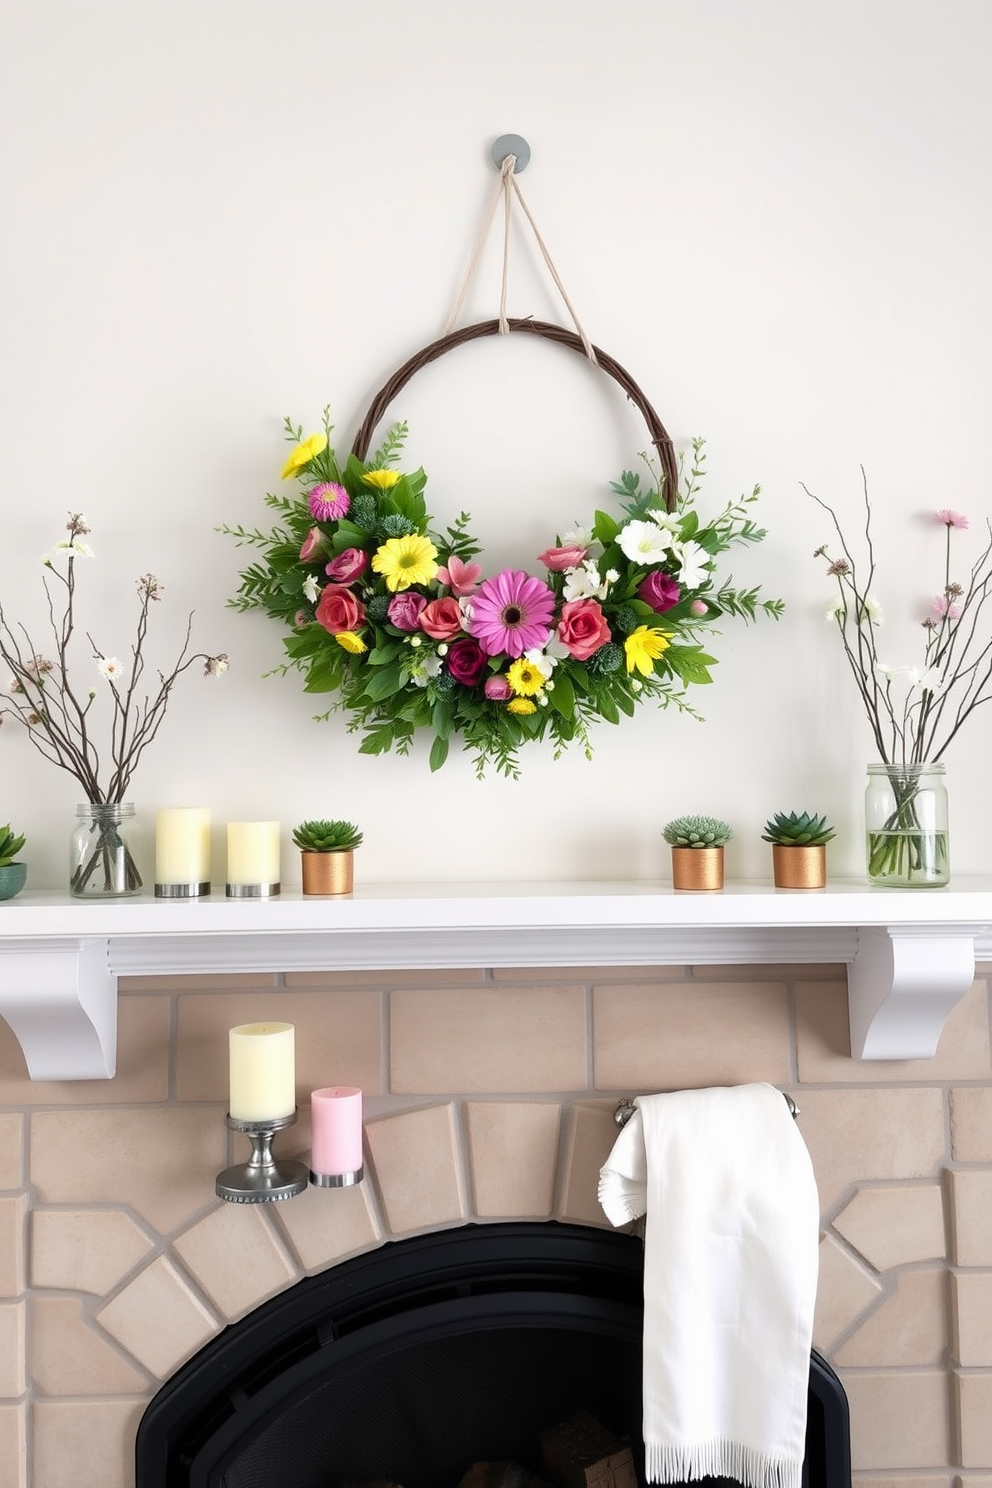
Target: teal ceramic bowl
column 12, row 879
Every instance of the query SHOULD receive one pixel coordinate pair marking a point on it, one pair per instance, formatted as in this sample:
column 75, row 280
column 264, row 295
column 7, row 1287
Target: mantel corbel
column 902, row 986
column 60, row 999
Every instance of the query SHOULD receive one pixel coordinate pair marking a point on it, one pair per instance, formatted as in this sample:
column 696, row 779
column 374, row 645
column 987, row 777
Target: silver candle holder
column 263, row 1179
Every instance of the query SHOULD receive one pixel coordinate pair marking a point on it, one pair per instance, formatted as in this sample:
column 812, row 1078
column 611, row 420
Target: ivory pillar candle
column 252, row 858
column 182, row 851
column 335, row 1135
column 263, row 1071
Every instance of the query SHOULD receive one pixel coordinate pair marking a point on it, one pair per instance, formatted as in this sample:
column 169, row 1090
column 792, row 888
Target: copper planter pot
column 799, row 867
column 697, row 868
column 328, row 872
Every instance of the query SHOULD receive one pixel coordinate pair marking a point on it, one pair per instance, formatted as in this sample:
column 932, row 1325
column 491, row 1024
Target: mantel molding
column 910, row 954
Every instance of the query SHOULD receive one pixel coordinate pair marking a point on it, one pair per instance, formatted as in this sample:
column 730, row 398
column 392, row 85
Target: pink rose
column 659, row 590
column 338, row 610
column 558, row 560
column 497, row 689
column 347, row 566
column 461, row 578
column 404, row 610
column 313, row 546
column 467, row 661
column 582, row 628
column 442, row 619
column 699, row 608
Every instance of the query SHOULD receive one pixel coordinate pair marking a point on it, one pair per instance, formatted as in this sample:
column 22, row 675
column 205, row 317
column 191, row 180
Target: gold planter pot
column 799, row 867
column 328, row 872
column 697, row 868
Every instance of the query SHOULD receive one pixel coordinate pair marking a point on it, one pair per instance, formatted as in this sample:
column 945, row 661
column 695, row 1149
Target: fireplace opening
column 412, row 1362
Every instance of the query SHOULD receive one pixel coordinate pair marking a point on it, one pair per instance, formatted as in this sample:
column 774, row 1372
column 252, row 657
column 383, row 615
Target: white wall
column 776, row 214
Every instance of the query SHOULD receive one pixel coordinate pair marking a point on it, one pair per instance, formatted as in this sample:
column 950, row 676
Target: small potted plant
column 327, row 849
column 697, row 844
column 799, row 849
column 12, row 875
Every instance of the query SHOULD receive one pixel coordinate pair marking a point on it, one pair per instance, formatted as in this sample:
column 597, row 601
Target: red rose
column 466, row 661
column 338, row 610
column 442, row 619
column 582, row 628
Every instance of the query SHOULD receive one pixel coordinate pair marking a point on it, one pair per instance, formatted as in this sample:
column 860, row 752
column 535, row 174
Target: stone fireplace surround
column 489, row 1095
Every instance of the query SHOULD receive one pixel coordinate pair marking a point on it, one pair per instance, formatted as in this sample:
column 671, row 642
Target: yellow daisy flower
column 403, row 561
column 305, row 451
column 381, row 479
column 525, row 678
column 349, row 641
column 643, row 647
column 521, row 705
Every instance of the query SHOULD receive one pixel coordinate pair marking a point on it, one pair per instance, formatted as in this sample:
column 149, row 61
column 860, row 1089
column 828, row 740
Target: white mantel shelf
column 910, row 954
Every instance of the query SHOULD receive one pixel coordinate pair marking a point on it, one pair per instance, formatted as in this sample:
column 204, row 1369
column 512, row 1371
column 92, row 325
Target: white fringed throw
column 730, row 1266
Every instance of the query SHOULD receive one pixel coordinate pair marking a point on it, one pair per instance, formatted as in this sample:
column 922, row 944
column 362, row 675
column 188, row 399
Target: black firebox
column 411, row 1362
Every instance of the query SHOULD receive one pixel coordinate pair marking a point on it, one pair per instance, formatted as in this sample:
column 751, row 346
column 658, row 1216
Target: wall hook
column 511, row 144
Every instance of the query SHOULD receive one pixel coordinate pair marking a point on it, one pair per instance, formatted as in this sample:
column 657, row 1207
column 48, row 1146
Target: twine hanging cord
column 508, row 188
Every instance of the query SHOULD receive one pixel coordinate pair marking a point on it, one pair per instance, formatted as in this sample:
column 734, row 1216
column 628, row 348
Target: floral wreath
column 400, row 621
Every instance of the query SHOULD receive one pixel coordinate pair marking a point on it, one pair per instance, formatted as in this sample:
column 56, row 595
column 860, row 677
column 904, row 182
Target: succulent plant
column 10, row 846
column 327, row 836
column 697, row 831
column 797, row 829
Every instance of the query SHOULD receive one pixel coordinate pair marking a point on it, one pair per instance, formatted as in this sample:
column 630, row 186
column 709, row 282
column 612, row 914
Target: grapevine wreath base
column 399, row 620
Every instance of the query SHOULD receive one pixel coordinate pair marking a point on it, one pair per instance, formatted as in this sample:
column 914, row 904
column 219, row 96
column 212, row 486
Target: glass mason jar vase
column 906, row 826
column 104, row 852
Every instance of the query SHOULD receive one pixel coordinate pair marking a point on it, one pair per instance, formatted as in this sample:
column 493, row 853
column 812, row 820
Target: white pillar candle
column 263, row 1071
column 182, row 845
column 336, row 1130
column 253, row 852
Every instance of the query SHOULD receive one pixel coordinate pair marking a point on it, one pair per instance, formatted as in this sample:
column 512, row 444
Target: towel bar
column 625, row 1109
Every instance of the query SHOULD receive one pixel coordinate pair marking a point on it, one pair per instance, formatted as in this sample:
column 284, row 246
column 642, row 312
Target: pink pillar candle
column 336, row 1131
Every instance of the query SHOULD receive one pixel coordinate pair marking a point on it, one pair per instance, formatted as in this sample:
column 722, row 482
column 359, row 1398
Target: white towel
column 730, row 1266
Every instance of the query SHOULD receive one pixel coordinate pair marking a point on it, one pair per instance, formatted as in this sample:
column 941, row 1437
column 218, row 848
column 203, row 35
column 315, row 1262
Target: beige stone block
column 95, row 1434
column 163, row 1162
column 387, row 980
column 533, row 975
column 244, row 1231
column 845, row 1290
column 326, row 1225
column 909, row 1327
column 11, row 1150
column 971, row 1216
column 974, row 1403
column 895, row 1226
column 513, row 1149
column 899, row 1419
column 871, row 1135
column 824, row 1041
column 971, row 1298
column 492, row 1039
column 14, row 1446
column 589, row 1143
column 775, row 971
column 142, row 1064
column 675, row 1036
column 338, row 1039
column 12, row 1334
column 68, row 1357
column 84, row 1250
column 220, row 981
column 158, row 1319
column 971, row 1124
column 900, row 1480
column 417, row 1168
column 12, row 1212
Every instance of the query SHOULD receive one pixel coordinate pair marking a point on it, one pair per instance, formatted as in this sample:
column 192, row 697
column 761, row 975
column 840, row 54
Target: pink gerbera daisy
column 512, row 613
column 949, row 518
column 328, row 502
